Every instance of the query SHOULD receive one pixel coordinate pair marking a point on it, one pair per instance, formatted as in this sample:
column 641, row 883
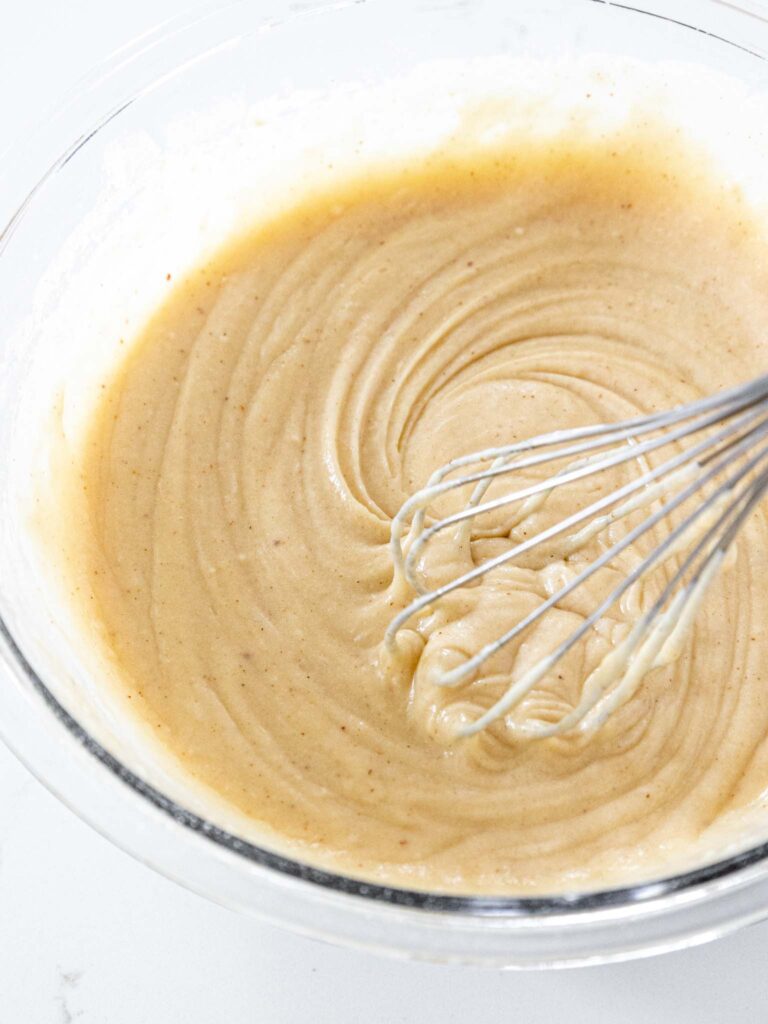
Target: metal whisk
column 718, row 456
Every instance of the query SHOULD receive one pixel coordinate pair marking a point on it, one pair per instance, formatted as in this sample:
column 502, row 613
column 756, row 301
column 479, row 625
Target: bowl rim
column 468, row 906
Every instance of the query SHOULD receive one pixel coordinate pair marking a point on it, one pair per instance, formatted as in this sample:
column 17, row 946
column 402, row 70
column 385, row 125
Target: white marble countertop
column 89, row 935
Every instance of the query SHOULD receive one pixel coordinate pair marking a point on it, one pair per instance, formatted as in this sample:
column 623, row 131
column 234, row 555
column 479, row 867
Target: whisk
column 717, row 456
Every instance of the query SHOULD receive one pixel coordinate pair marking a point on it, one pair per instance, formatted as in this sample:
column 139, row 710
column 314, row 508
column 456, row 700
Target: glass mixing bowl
column 99, row 159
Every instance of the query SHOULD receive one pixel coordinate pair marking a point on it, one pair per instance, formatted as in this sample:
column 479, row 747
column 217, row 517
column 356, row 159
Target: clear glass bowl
column 63, row 173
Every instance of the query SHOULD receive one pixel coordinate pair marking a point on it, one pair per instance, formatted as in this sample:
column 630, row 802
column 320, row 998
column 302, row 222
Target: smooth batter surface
column 247, row 458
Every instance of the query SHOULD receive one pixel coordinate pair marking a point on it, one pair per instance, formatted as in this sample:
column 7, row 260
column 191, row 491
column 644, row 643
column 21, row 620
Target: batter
column 247, row 457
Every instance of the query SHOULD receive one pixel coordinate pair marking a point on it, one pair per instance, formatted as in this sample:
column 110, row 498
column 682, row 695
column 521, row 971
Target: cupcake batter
column 246, row 460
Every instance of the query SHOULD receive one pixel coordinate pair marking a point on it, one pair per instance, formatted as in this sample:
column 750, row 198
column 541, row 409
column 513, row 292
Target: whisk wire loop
column 733, row 423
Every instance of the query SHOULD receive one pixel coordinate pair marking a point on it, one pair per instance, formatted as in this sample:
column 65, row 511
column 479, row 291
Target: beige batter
column 247, row 458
